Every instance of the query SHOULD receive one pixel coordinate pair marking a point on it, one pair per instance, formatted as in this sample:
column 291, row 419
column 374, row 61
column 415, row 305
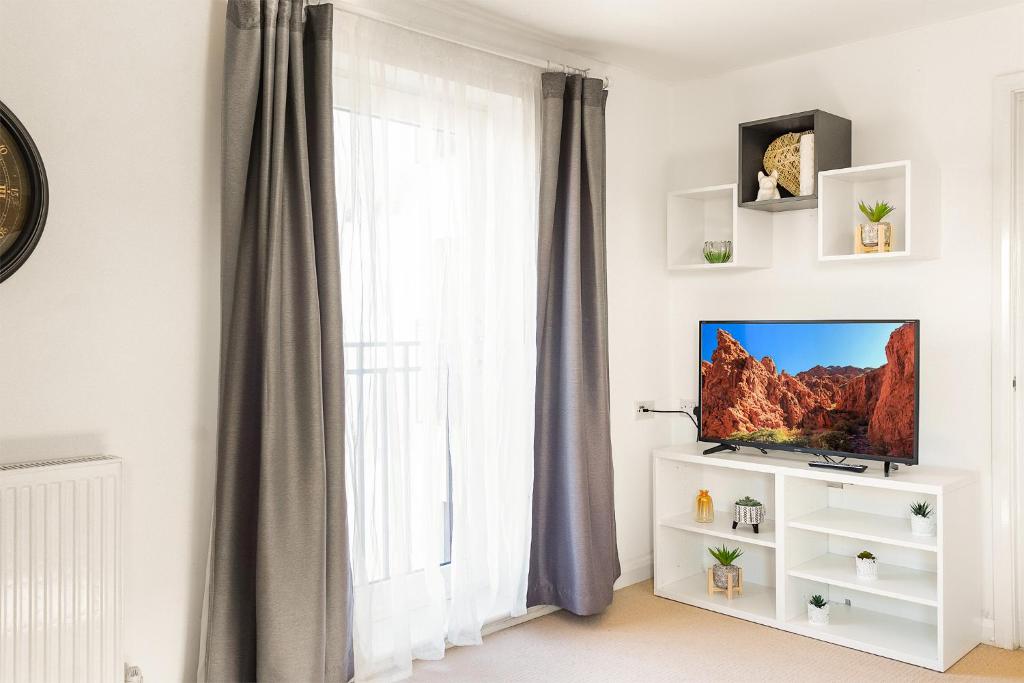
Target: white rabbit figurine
column 768, row 186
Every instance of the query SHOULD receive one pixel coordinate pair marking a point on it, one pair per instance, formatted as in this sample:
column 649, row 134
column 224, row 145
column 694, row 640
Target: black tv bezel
column 802, row 449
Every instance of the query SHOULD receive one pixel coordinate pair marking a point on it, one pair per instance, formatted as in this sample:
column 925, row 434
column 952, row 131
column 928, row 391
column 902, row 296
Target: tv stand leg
column 887, row 463
column 719, row 448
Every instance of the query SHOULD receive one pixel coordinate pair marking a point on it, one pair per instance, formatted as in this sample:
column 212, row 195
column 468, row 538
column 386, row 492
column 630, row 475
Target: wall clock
column 23, row 194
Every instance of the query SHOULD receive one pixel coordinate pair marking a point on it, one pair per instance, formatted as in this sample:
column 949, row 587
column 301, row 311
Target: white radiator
column 60, row 571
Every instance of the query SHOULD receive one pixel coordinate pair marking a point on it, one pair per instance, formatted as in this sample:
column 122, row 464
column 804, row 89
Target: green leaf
column 724, row 555
column 877, row 212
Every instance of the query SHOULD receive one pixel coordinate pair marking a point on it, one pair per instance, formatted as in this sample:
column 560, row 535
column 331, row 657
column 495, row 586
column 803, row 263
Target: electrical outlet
column 132, row 673
column 639, row 410
column 688, row 404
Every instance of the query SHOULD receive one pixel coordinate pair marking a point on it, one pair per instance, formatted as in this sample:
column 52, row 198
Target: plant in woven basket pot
column 875, row 236
column 922, row 519
column 748, row 510
column 724, row 566
column 817, row 611
column 867, row 565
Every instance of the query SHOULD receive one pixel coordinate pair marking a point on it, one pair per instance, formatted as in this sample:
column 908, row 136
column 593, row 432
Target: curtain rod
column 548, row 64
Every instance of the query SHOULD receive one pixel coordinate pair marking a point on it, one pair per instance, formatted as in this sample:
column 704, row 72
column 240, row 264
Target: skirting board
column 633, row 571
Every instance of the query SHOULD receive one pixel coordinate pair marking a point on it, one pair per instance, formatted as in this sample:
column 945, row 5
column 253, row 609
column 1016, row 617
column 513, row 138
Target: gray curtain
column 573, row 557
column 280, row 596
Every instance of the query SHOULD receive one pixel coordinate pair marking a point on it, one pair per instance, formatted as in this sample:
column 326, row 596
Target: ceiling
column 678, row 40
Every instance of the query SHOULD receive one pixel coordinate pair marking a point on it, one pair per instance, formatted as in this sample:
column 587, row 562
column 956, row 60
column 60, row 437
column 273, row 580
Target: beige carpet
column 644, row 638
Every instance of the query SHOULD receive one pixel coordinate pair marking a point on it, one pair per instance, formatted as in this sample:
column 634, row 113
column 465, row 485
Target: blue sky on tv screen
column 796, row 347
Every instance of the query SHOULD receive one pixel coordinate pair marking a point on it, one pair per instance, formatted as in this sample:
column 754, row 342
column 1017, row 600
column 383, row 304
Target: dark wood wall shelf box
column 832, row 142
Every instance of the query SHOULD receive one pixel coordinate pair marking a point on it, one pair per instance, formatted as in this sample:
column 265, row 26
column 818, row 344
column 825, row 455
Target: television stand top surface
column 920, row 478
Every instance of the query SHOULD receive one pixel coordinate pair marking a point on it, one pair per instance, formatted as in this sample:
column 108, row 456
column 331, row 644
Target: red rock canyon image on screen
column 848, row 387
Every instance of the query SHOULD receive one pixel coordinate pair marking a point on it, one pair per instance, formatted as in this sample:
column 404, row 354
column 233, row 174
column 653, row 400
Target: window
column 436, row 164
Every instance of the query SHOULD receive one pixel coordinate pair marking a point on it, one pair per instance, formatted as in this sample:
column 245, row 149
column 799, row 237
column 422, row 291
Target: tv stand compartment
column 924, row 608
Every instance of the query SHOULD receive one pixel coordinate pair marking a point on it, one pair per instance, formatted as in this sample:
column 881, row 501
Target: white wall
column 926, row 96
column 110, row 330
column 638, row 330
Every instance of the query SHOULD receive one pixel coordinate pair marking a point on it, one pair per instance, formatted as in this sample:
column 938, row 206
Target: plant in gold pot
column 875, row 236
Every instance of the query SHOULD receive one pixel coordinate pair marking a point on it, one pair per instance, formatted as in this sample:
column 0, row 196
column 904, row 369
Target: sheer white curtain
column 436, row 154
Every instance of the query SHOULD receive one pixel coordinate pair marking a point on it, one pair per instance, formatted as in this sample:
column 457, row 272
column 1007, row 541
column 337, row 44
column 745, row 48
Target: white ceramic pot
column 748, row 514
column 866, row 569
column 817, row 616
column 923, row 526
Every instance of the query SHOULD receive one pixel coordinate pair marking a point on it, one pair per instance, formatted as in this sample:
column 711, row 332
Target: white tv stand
column 925, row 606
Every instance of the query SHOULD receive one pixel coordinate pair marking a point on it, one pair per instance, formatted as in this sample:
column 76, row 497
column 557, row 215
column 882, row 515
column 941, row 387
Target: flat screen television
column 837, row 388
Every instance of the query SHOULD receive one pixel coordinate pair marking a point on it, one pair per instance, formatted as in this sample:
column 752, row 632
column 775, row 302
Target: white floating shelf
column 916, row 230
column 865, row 526
column 756, row 603
column 894, row 581
column 875, row 632
column 721, row 527
column 711, row 213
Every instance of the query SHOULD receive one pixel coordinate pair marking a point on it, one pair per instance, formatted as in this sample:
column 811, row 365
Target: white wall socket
column 638, row 410
column 687, row 404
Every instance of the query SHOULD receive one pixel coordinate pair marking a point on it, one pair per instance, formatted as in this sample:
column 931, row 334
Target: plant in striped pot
column 748, row 510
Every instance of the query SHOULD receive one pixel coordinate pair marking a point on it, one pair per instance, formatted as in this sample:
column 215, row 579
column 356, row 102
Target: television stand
column 719, row 448
column 829, row 463
column 923, row 608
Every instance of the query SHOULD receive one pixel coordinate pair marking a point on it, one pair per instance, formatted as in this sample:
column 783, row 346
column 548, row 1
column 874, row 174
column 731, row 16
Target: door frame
column 1007, row 463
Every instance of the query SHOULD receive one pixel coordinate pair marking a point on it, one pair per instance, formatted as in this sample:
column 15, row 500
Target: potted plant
column 725, row 567
column 876, row 235
column 922, row 519
column 748, row 510
column 867, row 565
column 817, row 611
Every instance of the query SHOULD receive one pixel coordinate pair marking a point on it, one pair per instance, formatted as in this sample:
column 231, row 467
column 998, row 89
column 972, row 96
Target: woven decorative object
column 783, row 155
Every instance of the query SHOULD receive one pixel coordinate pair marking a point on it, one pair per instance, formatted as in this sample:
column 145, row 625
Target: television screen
column 846, row 388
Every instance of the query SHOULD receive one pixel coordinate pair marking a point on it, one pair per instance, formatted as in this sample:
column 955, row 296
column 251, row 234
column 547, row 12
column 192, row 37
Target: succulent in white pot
column 867, row 565
column 922, row 519
column 817, row 611
column 724, row 566
column 748, row 510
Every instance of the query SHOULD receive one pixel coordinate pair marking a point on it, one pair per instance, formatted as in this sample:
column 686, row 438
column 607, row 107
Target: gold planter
column 872, row 238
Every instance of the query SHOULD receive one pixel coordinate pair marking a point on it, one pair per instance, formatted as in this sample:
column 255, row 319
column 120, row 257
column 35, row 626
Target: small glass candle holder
column 718, row 251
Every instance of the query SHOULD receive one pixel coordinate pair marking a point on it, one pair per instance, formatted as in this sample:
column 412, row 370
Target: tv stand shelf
column 924, row 608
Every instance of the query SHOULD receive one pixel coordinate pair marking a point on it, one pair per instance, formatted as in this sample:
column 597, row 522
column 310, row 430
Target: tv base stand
column 719, row 448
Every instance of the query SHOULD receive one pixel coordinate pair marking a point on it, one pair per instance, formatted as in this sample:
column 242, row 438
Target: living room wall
column 923, row 95
column 111, row 329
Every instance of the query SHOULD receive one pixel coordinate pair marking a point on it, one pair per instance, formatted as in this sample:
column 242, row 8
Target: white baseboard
column 988, row 631
column 531, row 614
column 635, row 571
